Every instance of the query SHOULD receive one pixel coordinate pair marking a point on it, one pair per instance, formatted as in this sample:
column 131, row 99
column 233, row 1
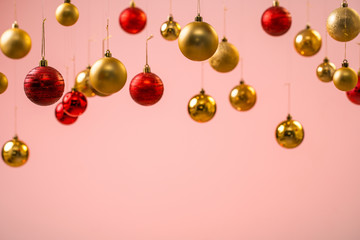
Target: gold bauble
column 343, row 24
column 82, row 83
column 225, row 58
column 15, row 153
column 3, row 83
column 67, row 14
column 198, row 40
column 170, row 29
column 289, row 133
column 242, row 97
column 202, row 107
column 108, row 75
column 345, row 78
column 307, row 42
column 325, row 71
column 15, row 43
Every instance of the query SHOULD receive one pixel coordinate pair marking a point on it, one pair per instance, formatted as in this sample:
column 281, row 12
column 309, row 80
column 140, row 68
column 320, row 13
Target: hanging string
column 74, row 66
column 198, row 7
column 107, row 34
column 241, row 69
column 326, row 44
column 308, row 12
column 67, row 75
column 225, row 9
column 43, row 40
column 170, row 10
column 15, row 100
column 345, row 50
column 289, row 96
column 42, row 9
column 15, row 11
column 89, row 51
column 202, row 76
column 150, row 37
column 359, row 56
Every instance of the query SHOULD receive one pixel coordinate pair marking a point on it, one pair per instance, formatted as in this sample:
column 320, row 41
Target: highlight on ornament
column 3, row 83
column 132, row 20
column 242, row 97
column 202, row 107
column 67, row 14
column 15, row 153
column 74, row 103
column 345, row 78
column 307, row 42
column 289, row 133
column 62, row 116
column 325, row 71
column 15, row 43
column 276, row 20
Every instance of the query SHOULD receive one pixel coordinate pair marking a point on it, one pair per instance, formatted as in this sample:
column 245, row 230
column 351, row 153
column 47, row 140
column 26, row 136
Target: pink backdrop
column 125, row 171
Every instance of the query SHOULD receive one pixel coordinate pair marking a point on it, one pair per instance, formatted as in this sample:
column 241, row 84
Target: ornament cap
column 43, row 62
column 307, row 26
column 202, row 91
column 74, row 89
column 198, row 18
column 66, row 1
column 224, row 39
column 345, row 63
column 289, row 117
column 171, row 18
column 326, row 60
column 15, row 25
column 132, row 4
column 276, row 3
column 108, row 53
column 16, row 137
column 88, row 67
column 242, row 82
column 147, row 69
column 344, row 4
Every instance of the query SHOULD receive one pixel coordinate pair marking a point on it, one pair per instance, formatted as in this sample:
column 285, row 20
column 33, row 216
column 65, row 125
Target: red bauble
column 44, row 85
column 146, row 88
column 354, row 94
column 132, row 20
column 74, row 103
column 276, row 20
column 62, row 117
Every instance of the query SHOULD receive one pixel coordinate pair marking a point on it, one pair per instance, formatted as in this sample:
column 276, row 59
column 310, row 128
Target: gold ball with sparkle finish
column 325, row 71
column 343, row 24
column 198, row 40
column 225, row 58
column 15, row 153
column 15, row 43
column 289, row 133
column 242, row 97
column 170, row 29
column 67, row 14
column 82, row 83
column 3, row 83
column 345, row 78
column 202, row 107
column 307, row 42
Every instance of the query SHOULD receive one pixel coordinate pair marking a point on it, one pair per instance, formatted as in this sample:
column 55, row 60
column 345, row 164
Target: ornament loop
column 15, row 25
column 344, row 4
column 198, row 18
column 289, row 117
column 345, row 63
column 202, row 91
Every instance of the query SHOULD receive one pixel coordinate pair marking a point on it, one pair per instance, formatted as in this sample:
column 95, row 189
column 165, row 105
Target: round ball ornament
column 325, row 71
column 242, row 97
column 354, row 94
column 74, row 103
column 82, row 83
column 225, row 58
column 289, row 133
column 15, row 43
column 202, row 107
column 276, row 20
column 343, row 24
column 345, row 78
column 62, row 116
column 307, row 42
column 3, row 83
column 15, row 152
column 170, row 29
column 67, row 14
column 132, row 20
column 198, row 40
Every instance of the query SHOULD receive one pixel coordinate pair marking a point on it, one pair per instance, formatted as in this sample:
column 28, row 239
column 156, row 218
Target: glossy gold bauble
column 289, row 133
column 202, row 107
column 15, row 43
column 343, row 24
column 3, row 83
column 198, row 40
column 82, row 83
column 225, row 58
column 325, row 71
column 242, row 97
column 15, row 153
column 108, row 75
column 170, row 29
column 67, row 14
column 345, row 78
column 307, row 42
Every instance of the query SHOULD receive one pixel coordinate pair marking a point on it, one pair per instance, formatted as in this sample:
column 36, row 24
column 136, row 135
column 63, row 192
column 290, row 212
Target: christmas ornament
column 354, row 94
column 15, row 43
column 170, row 29
column 62, row 116
column 343, row 24
column 307, row 42
column 202, row 107
column 225, row 58
column 276, row 20
column 67, row 14
column 132, row 20
column 74, row 103
column 82, row 83
column 3, row 83
column 15, row 152
column 289, row 133
column 325, row 70
column 242, row 97
column 345, row 78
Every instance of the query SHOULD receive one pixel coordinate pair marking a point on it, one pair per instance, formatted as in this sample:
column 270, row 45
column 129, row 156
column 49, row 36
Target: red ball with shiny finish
column 74, row 103
column 276, row 21
column 62, row 117
column 132, row 20
column 146, row 88
column 354, row 94
column 44, row 85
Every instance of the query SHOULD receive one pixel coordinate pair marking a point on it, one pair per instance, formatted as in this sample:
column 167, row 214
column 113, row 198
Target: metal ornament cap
column 226, row 57
column 289, row 133
column 202, row 107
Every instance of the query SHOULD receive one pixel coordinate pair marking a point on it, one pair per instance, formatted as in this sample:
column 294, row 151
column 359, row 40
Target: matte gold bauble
column 108, row 75
column 3, row 83
column 289, row 133
column 170, row 29
column 15, row 43
column 82, row 83
column 325, row 71
column 343, row 24
column 307, row 42
column 202, row 107
column 345, row 78
column 15, row 153
column 242, row 97
column 67, row 14
column 225, row 58
column 198, row 40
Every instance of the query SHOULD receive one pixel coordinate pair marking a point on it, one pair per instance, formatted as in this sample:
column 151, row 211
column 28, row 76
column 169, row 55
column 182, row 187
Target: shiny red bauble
column 132, row 20
column 44, row 85
column 276, row 20
column 74, row 103
column 146, row 88
column 354, row 94
column 62, row 117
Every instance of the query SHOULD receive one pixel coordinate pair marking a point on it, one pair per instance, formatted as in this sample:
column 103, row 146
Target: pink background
column 125, row 171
